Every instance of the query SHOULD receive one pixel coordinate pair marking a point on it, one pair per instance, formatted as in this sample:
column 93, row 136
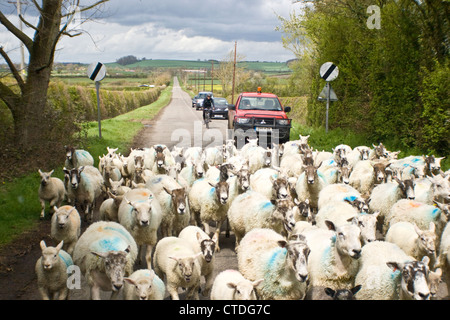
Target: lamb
column 434, row 188
column 388, row 273
column 163, row 157
column 52, row 190
column 66, row 226
column 378, row 152
column 51, row 272
column 333, row 261
column 213, row 156
column 252, row 210
column 175, row 260
column 144, row 284
column 265, row 254
column 209, row 202
column 309, row 185
column 201, row 242
column 192, row 172
column 77, row 157
column 366, row 174
column 172, row 199
column 110, row 172
column 84, row 187
column 321, row 293
column 231, row 285
column 360, row 153
column 443, row 260
column 141, row 214
column 118, row 188
column 117, row 251
column 292, row 165
column 109, row 209
column 270, row 183
column 413, row 241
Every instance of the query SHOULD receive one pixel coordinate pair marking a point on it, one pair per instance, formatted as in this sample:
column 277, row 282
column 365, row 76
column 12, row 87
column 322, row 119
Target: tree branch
column 15, row 31
column 29, row 25
column 8, row 96
column 13, row 69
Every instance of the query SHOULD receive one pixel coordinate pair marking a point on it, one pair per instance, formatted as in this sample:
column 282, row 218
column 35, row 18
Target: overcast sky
column 169, row 29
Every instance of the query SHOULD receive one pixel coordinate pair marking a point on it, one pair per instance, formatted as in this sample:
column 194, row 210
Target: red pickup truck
column 257, row 113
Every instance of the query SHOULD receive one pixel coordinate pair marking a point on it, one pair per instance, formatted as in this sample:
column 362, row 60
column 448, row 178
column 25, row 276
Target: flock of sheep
column 348, row 224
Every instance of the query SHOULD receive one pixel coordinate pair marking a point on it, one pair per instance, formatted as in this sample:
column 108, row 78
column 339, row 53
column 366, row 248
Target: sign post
column 96, row 72
column 328, row 71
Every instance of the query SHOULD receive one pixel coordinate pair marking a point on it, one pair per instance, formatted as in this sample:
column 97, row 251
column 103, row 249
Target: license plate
column 263, row 129
column 219, row 115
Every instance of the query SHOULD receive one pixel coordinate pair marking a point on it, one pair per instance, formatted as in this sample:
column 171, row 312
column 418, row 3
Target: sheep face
column 433, row 164
column 427, row 238
column 297, row 256
column 115, row 186
column 69, row 152
column 367, row 223
column 142, row 286
column 141, row 210
column 445, row 208
column 303, row 207
column 285, row 212
column 199, row 168
column 115, row 265
column 344, row 174
column 434, row 279
column 160, row 157
column 343, row 294
column 74, row 176
column 364, row 153
column 348, row 241
column 222, row 189
column 207, row 246
column 244, row 290
column 379, row 171
column 178, row 199
column 45, row 177
column 441, row 188
column 407, row 187
column 267, row 157
column 310, row 173
column 414, row 278
column 62, row 216
column 280, row 187
column 380, row 151
column 50, row 255
column 244, row 179
column 186, row 266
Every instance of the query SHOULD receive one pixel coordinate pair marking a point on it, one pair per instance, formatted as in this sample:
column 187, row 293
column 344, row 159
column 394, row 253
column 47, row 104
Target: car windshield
column 202, row 95
column 220, row 101
column 259, row 103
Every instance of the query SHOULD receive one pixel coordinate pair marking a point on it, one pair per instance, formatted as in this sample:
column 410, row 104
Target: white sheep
column 52, row 190
column 388, row 273
column 77, row 157
column 338, row 192
column 176, row 261
column 231, row 285
column 109, row 209
column 105, row 253
column 359, row 153
column 434, row 188
column 66, row 226
column 265, row 254
column 118, row 188
column 252, row 210
column 84, row 186
column 213, row 155
column 366, row 174
column 209, row 202
column 309, row 185
column 201, row 242
column 443, row 260
column 141, row 214
column 416, row 242
column 341, row 152
column 51, row 272
column 144, row 284
column 292, row 165
column 270, row 183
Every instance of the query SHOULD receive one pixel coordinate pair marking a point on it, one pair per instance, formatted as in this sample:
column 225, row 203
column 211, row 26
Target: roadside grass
column 19, row 202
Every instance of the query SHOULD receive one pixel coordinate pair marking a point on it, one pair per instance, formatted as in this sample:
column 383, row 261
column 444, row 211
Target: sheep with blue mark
column 176, row 261
column 270, row 183
column 208, row 202
column 141, row 214
column 388, row 273
column 172, row 198
column 201, row 242
column 144, row 284
column 252, row 210
column 231, row 285
column 265, row 254
column 333, row 261
column 51, row 190
column 106, row 253
column 309, row 184
column 51, row 272
column 66, row 226
column 77, row 157
column 84, row 187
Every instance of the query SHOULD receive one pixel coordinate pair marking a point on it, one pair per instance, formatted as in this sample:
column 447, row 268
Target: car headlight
column 283, row 122
column 226, row 109
column 242, row 120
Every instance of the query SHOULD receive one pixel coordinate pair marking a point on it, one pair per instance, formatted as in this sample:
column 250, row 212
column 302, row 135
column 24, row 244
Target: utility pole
column 234, row 73
column 212, row 76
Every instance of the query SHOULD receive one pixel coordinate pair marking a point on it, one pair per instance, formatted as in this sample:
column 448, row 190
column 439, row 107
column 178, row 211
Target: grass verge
column 19, row 202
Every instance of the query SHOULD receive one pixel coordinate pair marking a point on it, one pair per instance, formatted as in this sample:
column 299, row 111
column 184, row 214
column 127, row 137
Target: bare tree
column 28, row 98
column 225, row 72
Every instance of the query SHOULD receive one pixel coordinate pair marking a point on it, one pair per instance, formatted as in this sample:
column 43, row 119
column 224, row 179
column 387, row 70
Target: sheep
column 292, row 165
column 213, row 156
column 265, row 254
column 321, row 156
column 175, row 260
column 84, row 187
column 163, row 157
column 77, row 157
column 118, row 188
column 339, row 192
column 144, row 284
column 309, row 185
column 105, row 253
column 209, row 202
column 333, row 261
column 141, row 214
column 231, row 285
column 360, row 153
column 411, row 165
column 443, row 260
column 321, row 293
column 66, row 226
column 421, row 214
column 413, row 241
column 52, row 190
column 378, row 152
column 434, row 188
column 341, row 152
column 192, row 172
column 432, row 165
column 385, row 195
column 110, row 172
column 388, row 273
column 109, row 209
column 434, row 280
column 172, row 199
column 252, row 210
column 51, row 272
column 270, row 183
column 304, row 212
column 201, row 242
column 366, row 174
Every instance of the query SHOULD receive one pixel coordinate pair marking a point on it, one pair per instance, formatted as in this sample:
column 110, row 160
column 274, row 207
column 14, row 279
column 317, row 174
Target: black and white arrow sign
column 329, row 71
column 96, row 71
